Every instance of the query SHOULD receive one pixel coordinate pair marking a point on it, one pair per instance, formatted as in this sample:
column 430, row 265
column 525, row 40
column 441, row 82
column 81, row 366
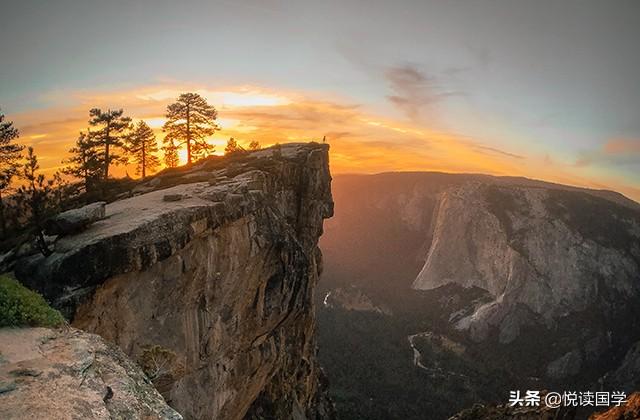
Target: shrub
column 157, row 361
column 162, row 366
column 21, row 307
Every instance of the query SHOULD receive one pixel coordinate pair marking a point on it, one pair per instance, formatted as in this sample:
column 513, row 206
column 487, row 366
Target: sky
column 547, row 89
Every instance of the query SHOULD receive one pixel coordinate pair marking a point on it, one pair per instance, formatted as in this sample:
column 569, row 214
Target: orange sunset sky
column 361, row 141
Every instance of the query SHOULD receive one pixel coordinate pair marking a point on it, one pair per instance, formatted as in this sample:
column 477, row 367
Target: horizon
column 451, row 87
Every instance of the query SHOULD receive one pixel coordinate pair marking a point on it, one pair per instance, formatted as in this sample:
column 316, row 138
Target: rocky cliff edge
column 207, row 275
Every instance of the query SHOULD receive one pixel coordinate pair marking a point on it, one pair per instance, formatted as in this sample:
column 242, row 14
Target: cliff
column 542, row 254
column 212, row 270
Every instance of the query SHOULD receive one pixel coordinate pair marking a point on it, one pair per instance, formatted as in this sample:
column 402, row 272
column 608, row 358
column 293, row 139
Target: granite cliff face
column 213, row 271
column 539, row 252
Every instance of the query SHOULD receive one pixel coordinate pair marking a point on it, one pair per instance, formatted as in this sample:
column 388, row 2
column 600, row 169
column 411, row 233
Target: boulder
column 75, row 220
column 565, row 366
column 172, row 197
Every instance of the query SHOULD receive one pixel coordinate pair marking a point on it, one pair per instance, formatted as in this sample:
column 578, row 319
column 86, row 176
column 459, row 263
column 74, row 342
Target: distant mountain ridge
column 607, row 194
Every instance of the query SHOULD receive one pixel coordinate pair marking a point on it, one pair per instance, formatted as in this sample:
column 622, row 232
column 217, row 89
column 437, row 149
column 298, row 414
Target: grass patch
column 21, row 307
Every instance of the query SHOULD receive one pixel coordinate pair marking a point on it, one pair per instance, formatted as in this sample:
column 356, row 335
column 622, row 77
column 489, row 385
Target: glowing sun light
column 182, row 156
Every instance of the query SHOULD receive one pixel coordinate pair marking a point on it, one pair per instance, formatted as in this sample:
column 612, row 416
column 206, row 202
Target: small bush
column 21, row 307
column 162, row 366
column 157, row 361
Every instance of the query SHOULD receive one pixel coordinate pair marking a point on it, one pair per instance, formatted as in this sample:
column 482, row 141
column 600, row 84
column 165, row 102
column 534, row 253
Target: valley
column 489, row 284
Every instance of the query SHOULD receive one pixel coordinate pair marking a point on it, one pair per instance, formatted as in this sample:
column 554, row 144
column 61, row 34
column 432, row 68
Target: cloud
column 622, row 146
column 413, row 90
column 613, row 152
column 497, row 151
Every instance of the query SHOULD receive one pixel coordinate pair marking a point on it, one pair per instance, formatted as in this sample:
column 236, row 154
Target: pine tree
column 232, row 147
column 85, row 162
column 170, row 151
column 254, row 145
column 10, row 154
column 142, row 145
column 109, row 136
column 39, row 196
column 189, row 121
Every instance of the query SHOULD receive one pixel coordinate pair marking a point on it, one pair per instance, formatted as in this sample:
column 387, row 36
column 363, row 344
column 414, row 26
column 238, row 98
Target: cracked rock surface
column 70, row 374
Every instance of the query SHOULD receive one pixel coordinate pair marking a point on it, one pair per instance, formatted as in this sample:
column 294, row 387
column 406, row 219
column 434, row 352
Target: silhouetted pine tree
column 142, row 146
column 232, row 147
column 112, row 129
column 170, row 151
column 39, row 195
column 85, row 162
column 10, row 155
column 189, row 121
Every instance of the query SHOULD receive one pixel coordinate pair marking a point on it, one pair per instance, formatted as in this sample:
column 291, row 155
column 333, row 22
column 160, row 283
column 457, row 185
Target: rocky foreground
column 70, row 374
column 206, row 277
